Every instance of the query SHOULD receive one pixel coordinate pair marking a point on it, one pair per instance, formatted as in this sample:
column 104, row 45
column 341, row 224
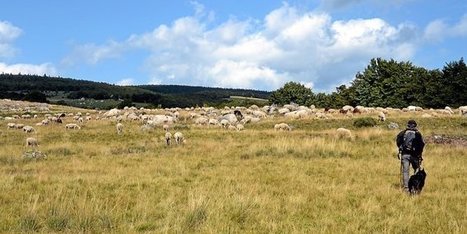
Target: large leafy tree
column 291, row 92
column 453, row 84
column 389, row 83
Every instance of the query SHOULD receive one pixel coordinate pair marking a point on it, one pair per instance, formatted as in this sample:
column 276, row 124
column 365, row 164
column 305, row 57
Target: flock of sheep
column 228, row 118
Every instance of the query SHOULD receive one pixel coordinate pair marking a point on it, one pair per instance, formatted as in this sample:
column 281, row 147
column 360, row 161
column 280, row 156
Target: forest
column 388, row 83
column 64, row 90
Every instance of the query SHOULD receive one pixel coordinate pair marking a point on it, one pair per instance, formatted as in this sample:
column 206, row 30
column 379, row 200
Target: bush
column 364, row 122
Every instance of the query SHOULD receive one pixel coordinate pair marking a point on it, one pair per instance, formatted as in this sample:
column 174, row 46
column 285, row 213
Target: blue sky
column 237, row 44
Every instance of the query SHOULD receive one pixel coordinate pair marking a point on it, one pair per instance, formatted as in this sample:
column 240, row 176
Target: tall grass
column 256, row 181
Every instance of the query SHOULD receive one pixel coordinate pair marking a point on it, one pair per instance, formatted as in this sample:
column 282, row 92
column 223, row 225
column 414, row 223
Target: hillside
column 89, row 94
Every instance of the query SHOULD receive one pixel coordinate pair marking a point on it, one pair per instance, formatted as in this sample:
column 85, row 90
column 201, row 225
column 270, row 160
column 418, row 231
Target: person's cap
column 411, row 123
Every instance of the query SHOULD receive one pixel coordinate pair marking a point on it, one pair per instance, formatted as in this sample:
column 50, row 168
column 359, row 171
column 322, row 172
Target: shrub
column 364, row 122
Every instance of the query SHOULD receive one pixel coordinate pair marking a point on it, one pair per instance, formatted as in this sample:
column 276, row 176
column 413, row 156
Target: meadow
column 252, row 181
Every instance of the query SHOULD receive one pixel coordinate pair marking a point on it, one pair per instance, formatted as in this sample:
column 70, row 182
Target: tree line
column 388, row 83
column 44, row 88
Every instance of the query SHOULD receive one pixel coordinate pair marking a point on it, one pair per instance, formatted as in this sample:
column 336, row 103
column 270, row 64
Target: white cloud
column 307, row 47
column 227, row 73
column 339, row 4
column 125, row 82
column 8, row 33
column 45, row 68
column 92, row 54
column 437, row 30
column 434, row 31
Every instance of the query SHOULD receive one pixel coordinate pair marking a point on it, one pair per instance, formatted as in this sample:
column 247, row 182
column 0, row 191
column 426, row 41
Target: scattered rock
column 447, row 140
column 393, row 125
column 34, row 155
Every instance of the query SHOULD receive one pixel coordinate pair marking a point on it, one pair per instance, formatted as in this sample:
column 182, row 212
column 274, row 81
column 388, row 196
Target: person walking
column 410, row 144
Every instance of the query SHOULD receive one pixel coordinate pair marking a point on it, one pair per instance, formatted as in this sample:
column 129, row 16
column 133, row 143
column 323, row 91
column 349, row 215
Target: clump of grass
column 58, row 223
column 364, row 122
column 197, row 214
column 30, row 223
column 61, row 151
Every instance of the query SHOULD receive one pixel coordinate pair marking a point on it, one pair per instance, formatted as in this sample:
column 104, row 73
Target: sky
column 253, row 44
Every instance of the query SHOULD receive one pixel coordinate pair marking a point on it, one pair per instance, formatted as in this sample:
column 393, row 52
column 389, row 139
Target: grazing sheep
column 11, row 125
column 28, row 129
column 72, row 126
column 449, row 109
column 168, row 136
column 381, row 116
column 224, row 123
column 426, row 115
column 463, row 110
column 119, row 128
column 201, row 121
column 31, row 141
column 165, row 127
column 19, row 126
column 239, row 127
column 45, row 122
column 179, row 139
column 282, row 127
column 213, row 122
column 232, row 128
column 147, row 128
column 344, row 133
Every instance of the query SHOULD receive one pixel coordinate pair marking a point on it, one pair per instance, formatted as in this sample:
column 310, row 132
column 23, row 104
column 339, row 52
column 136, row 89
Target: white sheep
column 72, row 126
column 239, row 127
column 224, row 123
column 28, row 129
column 232, row 128
column 11, row 125
column 282, row 127
column 179, row 139
column 213, row 122
column 381, row 116
column 168, row 136
column 119, row 128
column 31, row 141
column 344, row 133
column 165, row 127
column 463, row 110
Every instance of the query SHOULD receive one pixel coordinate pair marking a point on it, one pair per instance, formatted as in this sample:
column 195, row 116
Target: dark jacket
column 417, row 143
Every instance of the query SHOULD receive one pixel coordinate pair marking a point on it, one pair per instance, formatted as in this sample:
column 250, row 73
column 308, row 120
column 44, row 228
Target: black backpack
column 407, row 144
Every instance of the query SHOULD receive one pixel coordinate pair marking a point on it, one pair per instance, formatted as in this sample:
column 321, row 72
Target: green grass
column 254, row 181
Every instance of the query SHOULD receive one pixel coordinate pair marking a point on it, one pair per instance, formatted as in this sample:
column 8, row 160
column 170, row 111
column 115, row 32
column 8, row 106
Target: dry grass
column 256, row 181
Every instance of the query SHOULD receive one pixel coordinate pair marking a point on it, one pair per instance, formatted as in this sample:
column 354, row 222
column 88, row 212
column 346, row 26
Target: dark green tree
column 389, row 84
column 291, row 92
column 35, row 96
column 453, row 84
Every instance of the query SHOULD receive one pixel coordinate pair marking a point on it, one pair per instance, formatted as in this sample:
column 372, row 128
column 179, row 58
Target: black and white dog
column 417, row 181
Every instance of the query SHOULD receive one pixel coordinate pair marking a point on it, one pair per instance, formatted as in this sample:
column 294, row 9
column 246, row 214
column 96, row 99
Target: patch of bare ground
column 447, row 140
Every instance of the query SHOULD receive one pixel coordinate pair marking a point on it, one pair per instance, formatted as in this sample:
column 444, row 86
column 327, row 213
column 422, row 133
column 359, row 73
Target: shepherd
column 410, row 144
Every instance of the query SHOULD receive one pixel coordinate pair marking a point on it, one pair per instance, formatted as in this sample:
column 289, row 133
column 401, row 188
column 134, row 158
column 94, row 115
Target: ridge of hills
column 100, row 95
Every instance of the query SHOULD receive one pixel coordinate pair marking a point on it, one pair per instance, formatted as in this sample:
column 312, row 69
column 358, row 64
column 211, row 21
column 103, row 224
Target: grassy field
column 253, row 181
